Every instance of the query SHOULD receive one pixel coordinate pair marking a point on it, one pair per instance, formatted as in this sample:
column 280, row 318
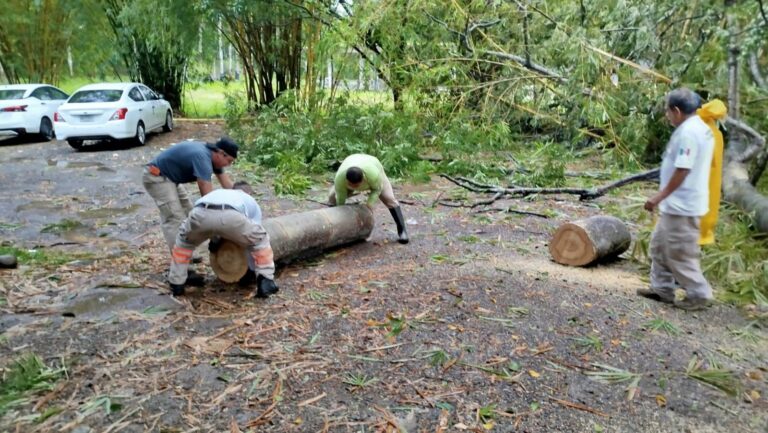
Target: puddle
column 39, row 205
column 107, row 212
column 78, row 164
column 103, row 303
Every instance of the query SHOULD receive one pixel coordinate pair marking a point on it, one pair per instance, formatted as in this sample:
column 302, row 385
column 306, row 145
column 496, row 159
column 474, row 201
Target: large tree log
column 299, row 235
column 582, row 242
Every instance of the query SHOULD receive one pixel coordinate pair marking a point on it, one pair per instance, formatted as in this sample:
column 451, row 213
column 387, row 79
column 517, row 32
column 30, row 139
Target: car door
column 51, row 98
column 39, row 106
column 141, row 107
column 152, row 100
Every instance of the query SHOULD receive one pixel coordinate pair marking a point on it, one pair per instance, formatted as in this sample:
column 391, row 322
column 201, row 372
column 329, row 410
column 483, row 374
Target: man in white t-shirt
column 682, row 200
column 230, row 214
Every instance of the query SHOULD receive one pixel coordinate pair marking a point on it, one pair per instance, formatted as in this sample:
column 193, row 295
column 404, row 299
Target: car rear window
column 11, row 94
column 107, row 95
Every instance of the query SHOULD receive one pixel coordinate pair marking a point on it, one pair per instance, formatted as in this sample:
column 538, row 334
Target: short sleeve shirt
column 186, row 162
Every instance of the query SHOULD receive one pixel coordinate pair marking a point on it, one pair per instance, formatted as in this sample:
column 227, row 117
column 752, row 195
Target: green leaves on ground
column 26, row 375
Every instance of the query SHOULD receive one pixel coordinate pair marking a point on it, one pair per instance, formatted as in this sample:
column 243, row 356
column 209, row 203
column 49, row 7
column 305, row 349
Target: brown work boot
column 693, row 304
column 652, row 294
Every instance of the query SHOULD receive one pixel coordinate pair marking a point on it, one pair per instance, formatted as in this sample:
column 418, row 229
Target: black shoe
column 266, row 287
column 177, row 289
column 402, row 232
column 194, row 279
column 651, row 294
column 248, row 279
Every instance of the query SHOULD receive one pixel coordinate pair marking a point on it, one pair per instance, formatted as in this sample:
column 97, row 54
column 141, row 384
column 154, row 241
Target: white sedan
column 112, row 111
column 29, row 109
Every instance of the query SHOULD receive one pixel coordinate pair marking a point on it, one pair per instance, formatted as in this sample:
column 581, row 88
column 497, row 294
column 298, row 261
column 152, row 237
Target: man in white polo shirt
column 682, row 200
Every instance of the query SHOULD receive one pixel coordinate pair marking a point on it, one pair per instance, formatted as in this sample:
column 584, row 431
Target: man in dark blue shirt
column 186, row 162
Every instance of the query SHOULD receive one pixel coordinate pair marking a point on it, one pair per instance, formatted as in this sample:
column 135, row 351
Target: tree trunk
column 301, row 235
column 582, row 242
column 738, row 190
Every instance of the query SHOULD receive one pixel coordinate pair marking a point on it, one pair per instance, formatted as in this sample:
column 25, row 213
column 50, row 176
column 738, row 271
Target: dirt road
column 468, row 328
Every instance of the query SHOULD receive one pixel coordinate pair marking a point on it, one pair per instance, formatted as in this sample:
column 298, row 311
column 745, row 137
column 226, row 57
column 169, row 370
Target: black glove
column 215, row 244
column 266, row 287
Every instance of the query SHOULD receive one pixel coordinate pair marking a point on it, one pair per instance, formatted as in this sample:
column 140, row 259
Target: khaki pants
column 387, row 195
column 675, row 255
column 172, row 200
column 203, row 224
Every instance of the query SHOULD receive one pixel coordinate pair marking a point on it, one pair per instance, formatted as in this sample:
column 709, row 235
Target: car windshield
column 11, row 94
column 103, row 95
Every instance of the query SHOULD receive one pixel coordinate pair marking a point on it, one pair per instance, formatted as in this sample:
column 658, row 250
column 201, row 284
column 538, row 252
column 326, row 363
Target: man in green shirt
column 361, row 172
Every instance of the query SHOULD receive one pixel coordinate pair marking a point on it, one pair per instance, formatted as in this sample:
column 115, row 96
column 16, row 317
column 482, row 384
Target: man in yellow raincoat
column 711, row 113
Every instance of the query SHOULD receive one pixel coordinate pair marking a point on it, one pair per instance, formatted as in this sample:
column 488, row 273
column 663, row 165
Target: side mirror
column 160, row 96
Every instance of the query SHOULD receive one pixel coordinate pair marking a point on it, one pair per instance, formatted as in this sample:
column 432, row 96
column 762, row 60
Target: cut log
column 301, row 235
column 305, row 234
column 582, row 242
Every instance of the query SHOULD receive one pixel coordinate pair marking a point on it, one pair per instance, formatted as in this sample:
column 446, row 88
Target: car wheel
column 168, row 127
column 141, row 135
column 46, row 129
column 76, row 144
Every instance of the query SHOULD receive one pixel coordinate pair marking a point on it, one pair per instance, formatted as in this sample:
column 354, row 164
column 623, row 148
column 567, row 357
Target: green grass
column 41, row 256
column 208, row 100
column 26, row 375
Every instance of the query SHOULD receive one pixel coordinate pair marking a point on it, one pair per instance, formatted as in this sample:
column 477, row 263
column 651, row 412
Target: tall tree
column 268, row 38
column 35, row 34
column 155, row 40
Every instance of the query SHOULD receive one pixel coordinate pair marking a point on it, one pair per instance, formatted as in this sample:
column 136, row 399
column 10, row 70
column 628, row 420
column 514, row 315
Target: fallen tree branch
column 757, row 141
column 517, row 211
column 583, row 193
column 754, row 70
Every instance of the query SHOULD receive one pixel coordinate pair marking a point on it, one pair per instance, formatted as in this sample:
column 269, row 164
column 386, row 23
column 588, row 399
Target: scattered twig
column 579, row 407
column 718, row 405
column 510, row 210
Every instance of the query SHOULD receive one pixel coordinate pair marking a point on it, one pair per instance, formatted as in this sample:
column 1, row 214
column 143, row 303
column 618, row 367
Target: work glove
column 265, row 286
column 215, row 244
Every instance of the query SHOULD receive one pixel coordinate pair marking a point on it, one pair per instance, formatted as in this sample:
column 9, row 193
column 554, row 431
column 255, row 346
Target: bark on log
column 582, row 242
column 738, row 190
column 309, row 233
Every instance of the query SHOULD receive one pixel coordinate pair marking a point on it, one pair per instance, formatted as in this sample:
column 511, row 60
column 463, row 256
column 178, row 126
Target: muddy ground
column 470, row 327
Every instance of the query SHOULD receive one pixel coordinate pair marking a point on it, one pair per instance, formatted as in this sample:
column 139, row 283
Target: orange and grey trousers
column 203, row 224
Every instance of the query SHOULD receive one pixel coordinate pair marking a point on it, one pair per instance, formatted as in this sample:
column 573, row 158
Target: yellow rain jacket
column 710, row 113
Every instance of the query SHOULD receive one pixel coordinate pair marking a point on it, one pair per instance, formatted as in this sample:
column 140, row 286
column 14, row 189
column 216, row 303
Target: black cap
column 228, row 146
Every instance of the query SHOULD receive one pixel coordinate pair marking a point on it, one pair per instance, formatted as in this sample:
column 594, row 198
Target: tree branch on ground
column 754, row 70
column 514, row 191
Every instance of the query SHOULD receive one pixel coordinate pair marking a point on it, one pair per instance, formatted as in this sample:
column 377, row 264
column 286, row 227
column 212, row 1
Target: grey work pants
column 202, row 224
column 675, row 255
column 172, row 200
column 387, row 195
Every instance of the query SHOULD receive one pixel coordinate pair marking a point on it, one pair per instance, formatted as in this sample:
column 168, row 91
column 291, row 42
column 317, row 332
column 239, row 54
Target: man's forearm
column 204, row 186
column 677, row 179
column 225, row 181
